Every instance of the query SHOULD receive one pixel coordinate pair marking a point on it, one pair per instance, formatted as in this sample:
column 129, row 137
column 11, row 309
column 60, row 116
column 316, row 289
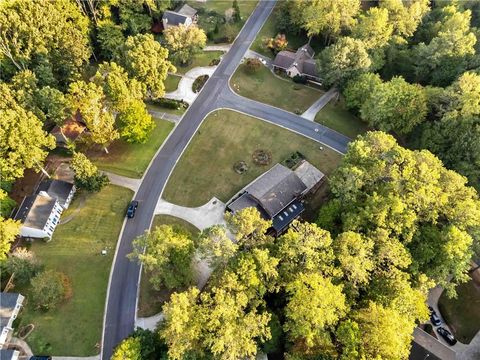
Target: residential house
column 69, row 131
column 425, row 346
column 39, row 215
column 184, row 15
column 60, row 190
column 10, row 305
column 9, row 354
column 277, row 194
column 299, row 63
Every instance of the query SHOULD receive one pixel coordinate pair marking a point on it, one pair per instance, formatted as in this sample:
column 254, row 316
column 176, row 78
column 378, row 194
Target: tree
column 23, row 265
column 132, row 16
column 130, row 348
column 308, row 320
column 49, row 288
column 237, row 15
column 87, row 175
column 349, row 337
column 135, row 122
column 276, row 44
column 110, row 39
column 405, row 16
column 215, row 246
column 9, row 230
column 386, row 334
column 354, row 253
column 53, row 104
column 326, row 17
column 373, row 28
column 395, row 106
column 183, row 42
column 27, row 142
column 55, row 31
column 305, row 248
column 89, row 99
column 168, row 256
column 342, row 61
column 249, row 227
column 359, row 89
column 145, row 60
column 252, row 65
column 7, row 204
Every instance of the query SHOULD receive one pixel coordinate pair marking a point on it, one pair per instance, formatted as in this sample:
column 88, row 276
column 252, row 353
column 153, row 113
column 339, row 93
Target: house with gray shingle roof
column 299, row 63
column 183, row 15
column 10, row 305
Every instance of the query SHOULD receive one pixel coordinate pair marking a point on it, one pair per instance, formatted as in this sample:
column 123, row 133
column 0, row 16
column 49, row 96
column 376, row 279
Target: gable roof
column 35, row 211
column 302, row 59
column 8, row 302
column 284, row 59
column 186, row 10
column 57, row 189
column 173, row 18
column 71, row 129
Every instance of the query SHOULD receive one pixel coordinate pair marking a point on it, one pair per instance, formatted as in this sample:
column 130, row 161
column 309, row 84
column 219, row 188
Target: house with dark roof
column 277, row 193
column 183, row 15
column 299, row 63
column 425, row 346
column 39, row 215
column 10, row 305
column 60, row 190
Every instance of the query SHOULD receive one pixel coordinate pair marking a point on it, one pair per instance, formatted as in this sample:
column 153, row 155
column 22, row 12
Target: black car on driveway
column 447, row 335
column 132, row 208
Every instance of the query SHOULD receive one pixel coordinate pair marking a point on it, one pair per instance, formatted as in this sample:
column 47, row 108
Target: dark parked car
column 132, row 208
column 447, row 335
column 40, row 357
column 434, row 318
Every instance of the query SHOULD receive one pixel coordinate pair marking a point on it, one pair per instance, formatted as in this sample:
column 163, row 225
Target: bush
column 23, row 264
column 87, row 175
column 275, row 344
column 199, row 82
column 252, row 65
column 170, row 104
column 49, row 289
column 300, row 79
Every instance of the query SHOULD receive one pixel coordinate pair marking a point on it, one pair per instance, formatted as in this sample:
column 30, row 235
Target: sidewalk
column 129, row 183
column 165, row 116
column 318, row 105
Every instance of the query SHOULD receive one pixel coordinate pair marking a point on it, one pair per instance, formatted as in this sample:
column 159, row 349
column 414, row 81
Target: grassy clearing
column 75, row 327
column 265, row 87
column 132, row 159
column 336, row 116
column 463, row 313
column 206, row 167
column 150, row 301
column 171, row 82
column 214, row 11
column 201, row 59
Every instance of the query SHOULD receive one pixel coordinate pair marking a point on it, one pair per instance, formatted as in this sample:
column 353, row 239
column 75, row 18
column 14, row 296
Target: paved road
column 121, row 300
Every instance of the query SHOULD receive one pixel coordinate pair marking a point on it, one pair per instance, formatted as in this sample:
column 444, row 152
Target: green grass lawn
column 162, row 109
column 463, row 313
column 75, row 327
column 336, row 116
column 215, row 10
column 203, row 58
column 206, row 167
column 265, row 87
column 150, row 301
column 132, row 159
column 171, row 82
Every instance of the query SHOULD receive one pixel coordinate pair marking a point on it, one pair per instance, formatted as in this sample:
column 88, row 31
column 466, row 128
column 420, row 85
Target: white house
column 60, row 190
column 10, row 305
column 184, row 15
column 39, row 215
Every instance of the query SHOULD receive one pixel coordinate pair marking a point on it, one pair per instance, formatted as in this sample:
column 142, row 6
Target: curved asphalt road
column 122, row 295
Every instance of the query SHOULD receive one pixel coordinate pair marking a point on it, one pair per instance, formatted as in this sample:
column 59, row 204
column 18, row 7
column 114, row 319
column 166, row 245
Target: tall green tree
column 7, row 204
column 9, row 230
column 183, row 42
column 87, row 175
column 110, row 39
column 359, row 89
column 249, row 227
column 135, row 123
column 53, row 104
column 216, row 247
column 130, row 348
column 168, row 254
column 405, row 16
column 373, row 28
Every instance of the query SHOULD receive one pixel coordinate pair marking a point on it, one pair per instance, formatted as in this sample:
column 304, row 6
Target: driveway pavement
column 184, row 90
column 318, row 105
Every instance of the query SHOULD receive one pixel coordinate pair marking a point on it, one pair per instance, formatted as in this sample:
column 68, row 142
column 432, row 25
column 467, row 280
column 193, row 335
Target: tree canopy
column 184, row 42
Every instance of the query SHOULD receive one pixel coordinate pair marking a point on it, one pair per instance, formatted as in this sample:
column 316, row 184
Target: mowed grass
column 132, row 160
column 75, row 327
column 171, row 82
column 152, row 108
column 265, row 87
column 463, row 313
column 150, row 301
column 203, row 58
column 336, row 116
column 206, row 167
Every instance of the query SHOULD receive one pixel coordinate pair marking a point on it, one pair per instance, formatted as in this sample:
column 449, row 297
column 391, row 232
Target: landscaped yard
column 150, row 301
column 265, row 87
column 75, row 327
column 463, row 313
column 214, row 10
column 162, row 109
column 226, row 137
column 336, row 116
column 203, row 58
column 171, row 82
column 132, row 160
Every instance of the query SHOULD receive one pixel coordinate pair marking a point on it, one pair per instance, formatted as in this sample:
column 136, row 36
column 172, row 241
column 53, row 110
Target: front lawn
column 203, row 58
column 265, row 87
column 226, row 137
column 150, row 301
column 336, row 116
column 463, row 313
column 132, row 160
column 171, row 82
column 75, row 327
column 213, row 12
column 162, row 109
